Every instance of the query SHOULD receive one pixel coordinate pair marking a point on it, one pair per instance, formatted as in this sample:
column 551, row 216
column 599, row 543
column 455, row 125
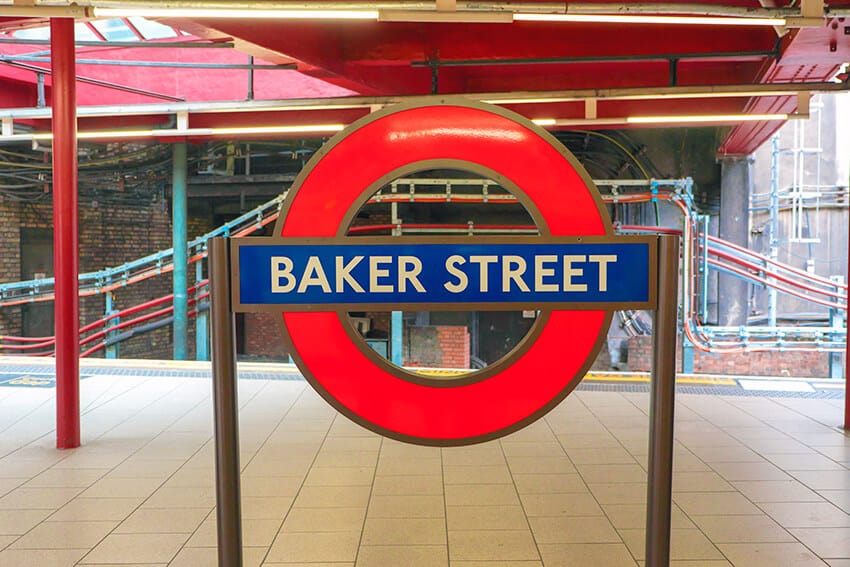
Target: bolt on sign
column 576, row 272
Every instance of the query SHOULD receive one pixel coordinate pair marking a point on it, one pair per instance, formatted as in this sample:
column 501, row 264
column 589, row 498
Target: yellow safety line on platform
column 644, row 378
column 602, row 377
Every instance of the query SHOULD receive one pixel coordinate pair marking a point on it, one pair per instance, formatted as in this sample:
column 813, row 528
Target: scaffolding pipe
column 65, row 238
column 179, row 228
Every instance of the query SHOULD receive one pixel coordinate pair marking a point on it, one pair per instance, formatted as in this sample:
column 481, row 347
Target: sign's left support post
column 226, row 408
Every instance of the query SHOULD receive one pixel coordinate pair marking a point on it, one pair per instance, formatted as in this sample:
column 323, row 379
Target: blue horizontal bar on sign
column 314, row 276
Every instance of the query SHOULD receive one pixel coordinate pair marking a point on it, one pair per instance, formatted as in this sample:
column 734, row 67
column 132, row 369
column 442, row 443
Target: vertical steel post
column 847, row 338
column 202, row 341
column 65, row 248
column 179, row 229
column 662, row 399
column 111, row 321
column 225, row 407
column 396, row 329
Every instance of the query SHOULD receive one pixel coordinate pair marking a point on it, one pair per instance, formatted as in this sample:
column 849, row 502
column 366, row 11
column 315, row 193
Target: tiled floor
column 758, row 482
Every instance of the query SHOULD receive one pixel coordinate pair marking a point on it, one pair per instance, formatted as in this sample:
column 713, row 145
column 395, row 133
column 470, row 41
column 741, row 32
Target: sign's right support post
column 662, row 399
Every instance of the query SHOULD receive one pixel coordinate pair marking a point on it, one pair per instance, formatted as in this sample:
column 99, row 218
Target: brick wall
column 436, row 347
column 109, row 235
column 800, row 364
column 262, row 336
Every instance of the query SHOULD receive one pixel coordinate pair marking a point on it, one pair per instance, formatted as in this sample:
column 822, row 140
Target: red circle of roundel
column 545, row 373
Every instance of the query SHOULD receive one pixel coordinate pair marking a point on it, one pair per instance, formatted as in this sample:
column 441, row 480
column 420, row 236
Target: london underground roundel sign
column 575, row 273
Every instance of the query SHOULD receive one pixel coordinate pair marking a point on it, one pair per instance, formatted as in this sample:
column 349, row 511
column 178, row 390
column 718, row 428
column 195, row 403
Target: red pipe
column 65, row 247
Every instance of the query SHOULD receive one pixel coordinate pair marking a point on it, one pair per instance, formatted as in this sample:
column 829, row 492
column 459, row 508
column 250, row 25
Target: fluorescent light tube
column 648, row 19
column 230, row 13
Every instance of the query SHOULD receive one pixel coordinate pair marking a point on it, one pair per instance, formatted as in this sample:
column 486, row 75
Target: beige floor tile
column 149, row 520
column 612, row 473
column 486, row 454
column 619, row 493
column 406, row 555
column 549, row 483
column 742, row 529
column 137, row 548
column 532, row 449
column 632, row 516
column 824, row 480
column 143, row 468
column 77, row 478
column 481, row 495
column 776, row 491
column 827, row 543
column 64, row 535
column 601, row 456
column 40, row 558
column 6, row 540
column 838, row 562
column 408, row 485
column 271, row 485
column 181, row 497
column 541, row 465
column 19, row 522
column 314, row 547
column 760, row 470
column 208, row 556
column 496, row 564
column 46, row 498
column 811, row 461
column 770, row 555
column 700, row 481
column 575, row 529
column 689, row 545
column 388, row 466
column 265, row 507
column 122, row 488
column 483, row 474
column 333, row 497
column 586, row 554
column 840, row 498
column 492, row 545
column 420, row 506
column 94, row 509
column 807, row 514
column 325, row 520
column 404, row 531
column 348, row 459
column 714, row 503
column 573, row 504
column 255, row 533
column 340, row 476
column 486, row 518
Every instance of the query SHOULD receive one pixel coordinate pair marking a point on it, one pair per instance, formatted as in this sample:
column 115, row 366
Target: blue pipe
column 180, row 215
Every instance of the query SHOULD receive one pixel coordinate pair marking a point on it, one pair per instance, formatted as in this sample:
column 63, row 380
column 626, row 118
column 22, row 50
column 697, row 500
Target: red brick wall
column 262, row 336
column 109, row 235
column 800, row 364
column 436, row 346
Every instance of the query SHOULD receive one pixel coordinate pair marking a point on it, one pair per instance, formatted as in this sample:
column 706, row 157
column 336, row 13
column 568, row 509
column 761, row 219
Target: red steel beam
column 65, row 233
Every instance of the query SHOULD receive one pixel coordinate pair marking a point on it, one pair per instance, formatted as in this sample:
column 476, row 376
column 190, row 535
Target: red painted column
column 65, row 236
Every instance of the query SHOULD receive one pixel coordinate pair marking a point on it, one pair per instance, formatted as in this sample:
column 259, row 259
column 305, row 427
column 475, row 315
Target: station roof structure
column 204, row 68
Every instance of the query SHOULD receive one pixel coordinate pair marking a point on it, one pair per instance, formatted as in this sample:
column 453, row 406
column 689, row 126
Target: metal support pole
column 65, row 237
column 225, row 407
column 396, row 324
column 179, row 206
column 847, row 338
column 662, row 399
column 111, row 321
column 202, row 341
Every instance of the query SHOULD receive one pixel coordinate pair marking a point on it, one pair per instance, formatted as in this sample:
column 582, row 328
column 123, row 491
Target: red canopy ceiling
column 340, row 58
